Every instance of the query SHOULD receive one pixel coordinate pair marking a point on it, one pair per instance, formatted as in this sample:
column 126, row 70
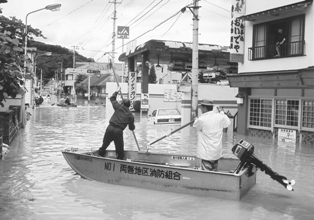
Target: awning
column 299, row 78
column 276, row 11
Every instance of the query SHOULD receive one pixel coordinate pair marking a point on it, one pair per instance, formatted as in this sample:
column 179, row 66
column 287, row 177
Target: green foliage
column 12, row 56
column 137, row 105
column 79, row 88
column 49, row 64
column 152, row 75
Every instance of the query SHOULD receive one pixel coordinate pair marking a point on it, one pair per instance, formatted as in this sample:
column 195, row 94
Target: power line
column 153, row 12
column 218, row 6
column 140, row 12
column 172, row 24
column 154, row 27
column 217, row 13
column 68, row 13
column 146, row 12
column 88, row 36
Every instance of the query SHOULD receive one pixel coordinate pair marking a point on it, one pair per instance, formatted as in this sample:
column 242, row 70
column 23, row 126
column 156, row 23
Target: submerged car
column 166, row 116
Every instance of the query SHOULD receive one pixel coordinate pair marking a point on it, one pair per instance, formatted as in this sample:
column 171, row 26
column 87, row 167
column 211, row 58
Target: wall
column 289, row 63
column 253, row 6
column 221, row 95
column 156, row 96
column 10, row 101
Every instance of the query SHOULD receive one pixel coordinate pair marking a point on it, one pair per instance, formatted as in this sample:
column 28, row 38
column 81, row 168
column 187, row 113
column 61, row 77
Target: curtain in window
column 296, row 36
column 259, row 41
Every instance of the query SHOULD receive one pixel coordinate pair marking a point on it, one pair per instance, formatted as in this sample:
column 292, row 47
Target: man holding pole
column 121, row 117
column 210, row 130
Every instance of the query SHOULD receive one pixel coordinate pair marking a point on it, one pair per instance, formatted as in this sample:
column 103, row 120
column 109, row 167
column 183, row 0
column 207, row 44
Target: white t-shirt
column 210, row 129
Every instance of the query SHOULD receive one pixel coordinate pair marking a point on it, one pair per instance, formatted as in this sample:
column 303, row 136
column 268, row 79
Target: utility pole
column 41, row 80
column 114, row 18
column 195, row 60
column 74, row 56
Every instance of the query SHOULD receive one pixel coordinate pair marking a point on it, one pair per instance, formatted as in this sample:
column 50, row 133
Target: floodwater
column 37, row 183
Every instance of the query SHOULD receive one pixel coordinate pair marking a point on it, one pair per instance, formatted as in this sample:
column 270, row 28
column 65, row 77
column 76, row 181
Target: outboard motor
column 245, row 152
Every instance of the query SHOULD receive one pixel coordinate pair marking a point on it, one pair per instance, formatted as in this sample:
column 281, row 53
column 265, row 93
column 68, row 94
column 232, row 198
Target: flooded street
column 37, row 183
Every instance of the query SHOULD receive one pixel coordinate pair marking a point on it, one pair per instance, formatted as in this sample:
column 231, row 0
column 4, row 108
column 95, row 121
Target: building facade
column 88, row 68
column 276, row 68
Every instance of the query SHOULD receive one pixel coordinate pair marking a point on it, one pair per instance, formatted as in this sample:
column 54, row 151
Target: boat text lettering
column 107, row 166
column 79, row 157
column 182, row 158
column 144, row 171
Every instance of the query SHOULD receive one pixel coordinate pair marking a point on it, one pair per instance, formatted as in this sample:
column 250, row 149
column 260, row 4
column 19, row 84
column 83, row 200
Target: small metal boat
column 166, row 172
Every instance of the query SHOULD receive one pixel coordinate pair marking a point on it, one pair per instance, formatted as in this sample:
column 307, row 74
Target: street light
column 52, row 7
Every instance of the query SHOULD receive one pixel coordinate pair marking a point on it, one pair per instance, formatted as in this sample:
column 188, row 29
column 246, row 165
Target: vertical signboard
column 237, row 31
column 132, row 88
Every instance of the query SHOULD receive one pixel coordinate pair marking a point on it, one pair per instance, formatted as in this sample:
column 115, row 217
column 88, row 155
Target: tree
column 152, row 75
column 79, row 88
column 12, row 57
column 50, row 64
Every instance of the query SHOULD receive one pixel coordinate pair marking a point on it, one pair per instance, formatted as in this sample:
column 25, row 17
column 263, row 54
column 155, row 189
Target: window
column 308, row 114
column 266, row 35
column 287, row 112
column 260, row 112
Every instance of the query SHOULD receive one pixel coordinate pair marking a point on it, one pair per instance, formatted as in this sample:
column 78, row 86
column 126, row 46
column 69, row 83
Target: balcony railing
column 269, row 51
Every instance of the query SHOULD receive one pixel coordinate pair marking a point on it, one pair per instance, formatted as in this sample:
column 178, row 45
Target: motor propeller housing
column 245, row 152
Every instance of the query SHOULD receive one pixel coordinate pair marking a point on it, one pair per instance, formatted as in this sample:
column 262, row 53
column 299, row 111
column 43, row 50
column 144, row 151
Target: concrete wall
column 156, row 96
column 11, row 101
column 221, row 95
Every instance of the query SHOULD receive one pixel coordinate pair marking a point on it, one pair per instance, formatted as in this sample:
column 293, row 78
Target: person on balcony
column 280, row 40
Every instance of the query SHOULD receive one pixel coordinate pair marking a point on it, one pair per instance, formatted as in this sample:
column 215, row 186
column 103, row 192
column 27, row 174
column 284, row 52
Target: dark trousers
column 116, row 135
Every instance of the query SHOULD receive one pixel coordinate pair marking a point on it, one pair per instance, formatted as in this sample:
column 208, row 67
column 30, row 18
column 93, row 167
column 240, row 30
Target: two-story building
column 275, row 67
column 88, row 68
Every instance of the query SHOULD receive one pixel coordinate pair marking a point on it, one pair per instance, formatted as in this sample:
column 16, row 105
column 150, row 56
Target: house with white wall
column 278, row 91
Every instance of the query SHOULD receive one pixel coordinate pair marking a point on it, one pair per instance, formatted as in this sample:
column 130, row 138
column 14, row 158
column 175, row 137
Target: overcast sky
column 87, row 24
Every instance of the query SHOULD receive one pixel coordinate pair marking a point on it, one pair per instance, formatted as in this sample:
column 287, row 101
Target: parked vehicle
column 166, row 116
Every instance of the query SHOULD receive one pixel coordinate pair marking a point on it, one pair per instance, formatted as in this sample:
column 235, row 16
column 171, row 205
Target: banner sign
column 132, row 88
column 171, row 95
column 237, row 31
column 123, row 32
column 144, row 101
column 287, row 135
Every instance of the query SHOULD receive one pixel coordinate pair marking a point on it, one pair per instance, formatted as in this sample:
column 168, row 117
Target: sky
column 87, row 25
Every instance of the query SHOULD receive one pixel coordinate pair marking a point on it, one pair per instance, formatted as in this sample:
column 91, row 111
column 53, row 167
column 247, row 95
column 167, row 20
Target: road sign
column 123, row 32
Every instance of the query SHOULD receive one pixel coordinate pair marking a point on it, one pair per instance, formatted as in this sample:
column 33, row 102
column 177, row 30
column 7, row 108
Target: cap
column 126, row 102
column 207, row 102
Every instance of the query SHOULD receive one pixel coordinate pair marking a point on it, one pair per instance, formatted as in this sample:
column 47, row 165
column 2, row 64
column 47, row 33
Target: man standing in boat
column 210, row 127
column 121, row 118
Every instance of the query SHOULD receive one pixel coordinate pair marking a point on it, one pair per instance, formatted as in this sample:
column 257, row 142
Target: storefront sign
column 237, row 31
column 287, row 135
column 144, row 101
column 132, row 88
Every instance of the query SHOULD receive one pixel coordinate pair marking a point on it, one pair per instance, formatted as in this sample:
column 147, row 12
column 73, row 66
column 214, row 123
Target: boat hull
column 170, row 173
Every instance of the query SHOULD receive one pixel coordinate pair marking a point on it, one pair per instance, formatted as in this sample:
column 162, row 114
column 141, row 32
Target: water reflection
column 37, row 183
